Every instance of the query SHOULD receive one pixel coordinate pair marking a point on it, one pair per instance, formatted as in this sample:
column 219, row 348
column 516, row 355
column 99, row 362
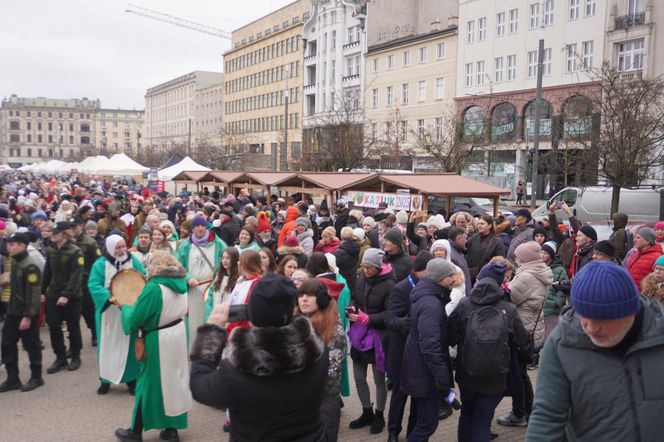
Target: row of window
column 538, row 15
column 262, row 101
column 264, row 77
column 275, row 50
column 16, row 125
column 422, row 57
column 265, row 124
column 16, row 152
column 115, row 135
column 400, row 130
column 16, row 138
column 268, row 31
column 391, row 99
column 17, row 113
column 127, row 145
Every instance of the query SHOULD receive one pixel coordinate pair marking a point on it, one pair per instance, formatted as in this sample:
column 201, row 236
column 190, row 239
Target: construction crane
column 177, row 21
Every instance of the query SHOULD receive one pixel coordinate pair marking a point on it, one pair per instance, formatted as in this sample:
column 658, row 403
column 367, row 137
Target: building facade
column 497, row 72
column 263, row 86
column 118, row 131
column 38, row 129
column 171, row 113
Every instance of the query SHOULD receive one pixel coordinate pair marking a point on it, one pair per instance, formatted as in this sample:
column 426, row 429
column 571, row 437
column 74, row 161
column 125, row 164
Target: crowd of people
column 269, row 310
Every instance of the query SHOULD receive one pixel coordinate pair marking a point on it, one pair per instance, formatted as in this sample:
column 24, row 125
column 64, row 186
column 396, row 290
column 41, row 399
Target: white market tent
column 187, row 164
column 121, row 164
column 49, row 166
column 93, row 165
column 5, row 167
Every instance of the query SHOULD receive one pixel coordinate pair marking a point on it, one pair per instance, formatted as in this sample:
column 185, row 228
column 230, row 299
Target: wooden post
column 495, row 205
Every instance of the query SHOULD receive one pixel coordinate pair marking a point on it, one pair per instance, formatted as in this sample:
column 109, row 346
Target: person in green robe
column 163, row 397
column 115, row 350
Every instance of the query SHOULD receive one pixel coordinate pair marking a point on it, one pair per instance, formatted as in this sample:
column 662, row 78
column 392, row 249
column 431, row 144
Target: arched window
column 85, row 127
column 529, row 119
column 503, row 122
column 473, row 122
column 577, row 116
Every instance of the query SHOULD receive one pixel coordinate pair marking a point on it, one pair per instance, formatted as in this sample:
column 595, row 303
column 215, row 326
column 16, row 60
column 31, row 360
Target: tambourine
column 126, row 286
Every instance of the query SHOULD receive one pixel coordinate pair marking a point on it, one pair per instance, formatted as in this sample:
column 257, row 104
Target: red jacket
column 291, row 215
column 327, row 248
column 641, row 263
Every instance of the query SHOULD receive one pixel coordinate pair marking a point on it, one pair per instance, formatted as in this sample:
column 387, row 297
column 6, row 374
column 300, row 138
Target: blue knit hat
column 604, row 290
column 659, row 262
column 199, row 220
column 493, row 270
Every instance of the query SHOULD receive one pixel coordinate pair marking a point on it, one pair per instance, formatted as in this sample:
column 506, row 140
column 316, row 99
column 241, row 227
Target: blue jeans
column 427, row 418
column 477, row 410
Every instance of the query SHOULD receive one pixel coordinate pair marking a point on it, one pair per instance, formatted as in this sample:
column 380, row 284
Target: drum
column 126, row 286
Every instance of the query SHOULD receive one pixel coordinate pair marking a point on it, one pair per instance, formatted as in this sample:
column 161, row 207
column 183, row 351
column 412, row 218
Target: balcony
column 309, row 87
column 351, row 80
column 310, row 59
column 351, row 47
column 630, row 20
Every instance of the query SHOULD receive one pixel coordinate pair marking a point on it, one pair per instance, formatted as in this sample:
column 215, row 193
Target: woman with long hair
column 268, row 262
column 160, row 241
column 315, row 302
column 251, row 271
column 225, row 279
column 287, row 266
column 483, row 245
column 246, row 240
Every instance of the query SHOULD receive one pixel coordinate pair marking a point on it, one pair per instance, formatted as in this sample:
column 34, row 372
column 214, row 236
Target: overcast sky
column 94, row 49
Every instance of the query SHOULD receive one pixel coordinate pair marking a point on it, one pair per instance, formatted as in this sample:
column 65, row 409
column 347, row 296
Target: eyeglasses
column 298, row 279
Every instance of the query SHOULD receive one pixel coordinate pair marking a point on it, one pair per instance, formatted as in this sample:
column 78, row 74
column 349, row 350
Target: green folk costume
column 342, row 303
column 115, row 349
column 162, row 389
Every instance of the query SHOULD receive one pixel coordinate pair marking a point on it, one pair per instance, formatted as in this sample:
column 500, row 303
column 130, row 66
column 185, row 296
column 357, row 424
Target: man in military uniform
column 91, row 252
column 21, row 321
column 61, row 285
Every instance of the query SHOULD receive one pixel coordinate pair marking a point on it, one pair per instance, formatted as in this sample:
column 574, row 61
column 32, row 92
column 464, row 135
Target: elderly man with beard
column 200, row 255
column 117, row 363
column 616, row 392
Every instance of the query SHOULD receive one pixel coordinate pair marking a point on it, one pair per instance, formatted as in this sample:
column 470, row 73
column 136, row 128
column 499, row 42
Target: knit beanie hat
column 282, row 213
column 369, row 221
column 358, row 233
column 648, row 234
column 91, row 225
column 589, row 232
column 439, row 268
column 39, row 214
column 199, row 220
column 402, row 217
column 373, row 257
column 291, row 241
column 272, row 301
column 394, row 236
column 323, row 207
column 660, row 261
column 525, row 213
column 421, row 261
column 528, row 252
column 659, row 225
column 550, row 247
column 303, row 221
column 493, row 270
column 434, row 221
column 421, row 226
column 540, row 231
column 263, row 223
column 604, row 290
column 605, row 247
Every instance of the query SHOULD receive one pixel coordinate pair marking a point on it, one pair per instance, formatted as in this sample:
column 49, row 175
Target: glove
column 362, row 317
column 405, row 325
column 450, row 398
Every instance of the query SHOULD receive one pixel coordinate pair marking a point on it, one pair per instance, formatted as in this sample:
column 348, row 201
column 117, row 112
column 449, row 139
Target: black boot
column 58, row 365
column 12, row 383
column 169, row 434
column 131, row 385
column 103, row 389
column 75, row 364
column 127, row 435
column 444, row 411
column 377, row 423
column 393, row 437
column 35, row 380
column 364, row 420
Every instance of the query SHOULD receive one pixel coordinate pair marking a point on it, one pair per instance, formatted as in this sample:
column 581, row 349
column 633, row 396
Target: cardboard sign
column 394, row 201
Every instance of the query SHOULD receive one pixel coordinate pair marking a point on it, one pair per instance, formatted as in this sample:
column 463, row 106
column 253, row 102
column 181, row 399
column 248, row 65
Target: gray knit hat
column 648, row 234
column 303, row 221
column 438, row 269
column 91, row 225
column 394, row 236
column 373, row 257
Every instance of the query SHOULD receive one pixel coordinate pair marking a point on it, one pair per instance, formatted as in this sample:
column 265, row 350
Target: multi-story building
column 171, row 113
column 497, row 72
column 208, row 112
column 118, row 131
column 263, row 85
column 35, row 129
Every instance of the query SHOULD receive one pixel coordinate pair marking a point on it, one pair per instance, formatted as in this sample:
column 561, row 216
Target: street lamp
column 283, row 163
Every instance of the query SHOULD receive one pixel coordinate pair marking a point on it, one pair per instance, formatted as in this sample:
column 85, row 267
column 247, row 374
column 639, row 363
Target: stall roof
column 446, row 184
column 326, row 180
column 194, row 175
column 227, row 176
column 270, row 178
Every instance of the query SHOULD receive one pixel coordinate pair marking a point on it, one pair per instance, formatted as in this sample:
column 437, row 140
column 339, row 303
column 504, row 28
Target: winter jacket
column 341, row 221
column 650, row 287
column 297, row 252
column 426, row 364
column 521, row 235
column 366, row 245
column 371, row 295
column 417, row 243
column 555, row 299
column 306, row 240
column 63, row 273
column 272, row 381
column 480, row 250
column 458, row 257
column 580, row 258
column 373, row 238
column 25, row 282
column 619, row 236
column 642, row 262
column 401, row 263
column 529, row 290
column 347, row 256
column 397, row 322
column 593, row 394
column 107, row 224
column 330, row 247
column 487, row 292
column 229, row 231
column 289, row 226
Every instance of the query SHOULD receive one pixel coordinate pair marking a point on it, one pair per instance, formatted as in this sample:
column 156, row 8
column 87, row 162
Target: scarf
column 117, row 262
column 200, row 242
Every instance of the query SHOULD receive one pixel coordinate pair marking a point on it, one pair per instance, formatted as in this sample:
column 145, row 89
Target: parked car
column 474, row 206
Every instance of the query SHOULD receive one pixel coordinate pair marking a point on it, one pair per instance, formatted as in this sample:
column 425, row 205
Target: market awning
column 448, row 184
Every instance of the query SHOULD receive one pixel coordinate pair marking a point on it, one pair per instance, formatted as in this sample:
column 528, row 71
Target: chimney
column 453, row 20
column 435, row 25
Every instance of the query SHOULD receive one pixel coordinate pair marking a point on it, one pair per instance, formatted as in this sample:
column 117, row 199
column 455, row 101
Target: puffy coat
column 426, row 365
column 605, row 397
column 330, row 247
column 289, row 226
column 297, row 252
column 521, row 235
column 366, row 244
column 487, row 292
column 397, row 322
column 555, row 299
column 401, row 263
column 642, row 262
column 272, row 381
column 371, row 295
column 347, row 255
column 480, row 251
column 529, row 290
column 306, row 240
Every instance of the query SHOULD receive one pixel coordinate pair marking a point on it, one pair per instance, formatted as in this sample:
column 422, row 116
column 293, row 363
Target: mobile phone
column 238, row 313
column 351, row 310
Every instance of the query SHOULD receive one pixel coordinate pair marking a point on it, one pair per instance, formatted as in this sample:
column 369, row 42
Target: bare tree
column 224, row 151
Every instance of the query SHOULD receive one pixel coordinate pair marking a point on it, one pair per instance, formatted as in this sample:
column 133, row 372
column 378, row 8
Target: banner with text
column 394, row 201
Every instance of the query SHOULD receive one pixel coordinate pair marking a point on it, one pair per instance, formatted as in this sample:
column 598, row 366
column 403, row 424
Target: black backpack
column 486, row 350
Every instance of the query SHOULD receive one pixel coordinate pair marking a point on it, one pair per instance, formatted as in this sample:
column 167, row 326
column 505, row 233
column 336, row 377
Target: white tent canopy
column 187, row 164
column 93, row 164
column 121, row 164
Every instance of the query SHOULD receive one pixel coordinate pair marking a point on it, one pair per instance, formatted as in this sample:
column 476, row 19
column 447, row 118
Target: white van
column 591, row 204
